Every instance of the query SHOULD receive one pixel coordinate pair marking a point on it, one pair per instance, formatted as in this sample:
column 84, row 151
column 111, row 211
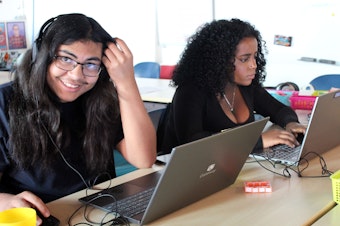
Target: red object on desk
column 257, row 187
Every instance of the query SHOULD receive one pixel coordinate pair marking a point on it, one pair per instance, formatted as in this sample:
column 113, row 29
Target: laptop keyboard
column 132, row 205
column 282, row 152
column 286, row 152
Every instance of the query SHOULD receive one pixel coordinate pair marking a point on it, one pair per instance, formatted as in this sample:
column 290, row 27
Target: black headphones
column 37, row 42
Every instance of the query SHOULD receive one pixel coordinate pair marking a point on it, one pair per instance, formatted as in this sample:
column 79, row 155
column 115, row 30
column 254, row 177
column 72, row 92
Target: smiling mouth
column 69, row 85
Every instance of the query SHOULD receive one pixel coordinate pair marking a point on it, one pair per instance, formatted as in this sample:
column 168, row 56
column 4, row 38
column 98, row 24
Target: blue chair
column 122, row 166
column 326, row 82
column 147, row 70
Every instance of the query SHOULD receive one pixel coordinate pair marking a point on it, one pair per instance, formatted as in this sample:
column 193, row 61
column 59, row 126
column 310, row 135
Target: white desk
column 64, row 208
column 4, row 77
column 155, row 90
column 293, row 201
column 156, row 93
column 332, row 218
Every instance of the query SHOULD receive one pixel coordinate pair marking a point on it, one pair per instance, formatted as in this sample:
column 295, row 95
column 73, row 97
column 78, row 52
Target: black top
column 195, row 114
column 61, row 180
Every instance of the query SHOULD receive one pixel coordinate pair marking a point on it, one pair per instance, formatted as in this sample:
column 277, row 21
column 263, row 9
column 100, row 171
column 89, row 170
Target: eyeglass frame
column 75, row 63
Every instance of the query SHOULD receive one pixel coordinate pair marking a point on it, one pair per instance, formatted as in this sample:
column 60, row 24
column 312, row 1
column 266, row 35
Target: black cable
column 324, row 171
column 285, row 172
column 117, row 220
column 61, row 154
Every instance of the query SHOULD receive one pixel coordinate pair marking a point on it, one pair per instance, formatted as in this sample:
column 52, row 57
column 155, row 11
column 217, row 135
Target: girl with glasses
column 73, row 100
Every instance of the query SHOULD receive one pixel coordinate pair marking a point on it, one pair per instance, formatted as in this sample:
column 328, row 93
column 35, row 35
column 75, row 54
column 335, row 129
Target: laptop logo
column 211, row 169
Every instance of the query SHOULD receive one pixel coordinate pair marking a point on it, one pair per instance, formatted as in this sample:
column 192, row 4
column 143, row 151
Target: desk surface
column 332, row 218
column 155, row 90
column 4, row 76
column 65, row 207
column 293, row 201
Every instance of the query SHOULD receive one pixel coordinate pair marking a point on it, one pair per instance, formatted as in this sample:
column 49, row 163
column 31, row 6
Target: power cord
column 296, row 166
column 324, row 170
column 285, row 170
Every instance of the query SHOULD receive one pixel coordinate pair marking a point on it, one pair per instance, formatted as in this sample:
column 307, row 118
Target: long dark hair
column 34, row 110
column 208, row 59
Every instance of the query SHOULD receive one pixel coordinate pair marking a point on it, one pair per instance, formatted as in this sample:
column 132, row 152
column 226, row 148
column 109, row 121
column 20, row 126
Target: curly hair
column 208, row 59
column 34, row 111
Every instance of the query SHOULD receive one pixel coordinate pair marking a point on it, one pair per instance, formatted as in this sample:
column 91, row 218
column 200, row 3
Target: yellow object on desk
column 18, row 217
column 335, row 177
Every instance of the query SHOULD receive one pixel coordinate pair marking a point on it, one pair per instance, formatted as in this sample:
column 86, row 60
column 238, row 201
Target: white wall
column 134, row 21
column 313, row 24
column 146, row 26
column 176, row 21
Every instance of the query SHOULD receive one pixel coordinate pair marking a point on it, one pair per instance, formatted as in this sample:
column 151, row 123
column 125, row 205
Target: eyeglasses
column 67, row 64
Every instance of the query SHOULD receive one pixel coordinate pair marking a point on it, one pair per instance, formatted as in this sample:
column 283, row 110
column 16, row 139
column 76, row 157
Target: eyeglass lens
column 67, row 64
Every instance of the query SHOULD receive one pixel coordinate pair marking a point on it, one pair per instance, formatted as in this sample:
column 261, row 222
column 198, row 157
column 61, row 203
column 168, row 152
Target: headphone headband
column 43, row 29
column 37, row 42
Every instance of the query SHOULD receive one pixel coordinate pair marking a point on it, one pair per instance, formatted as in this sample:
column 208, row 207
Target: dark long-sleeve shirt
column 195, row 114
column 61, row 179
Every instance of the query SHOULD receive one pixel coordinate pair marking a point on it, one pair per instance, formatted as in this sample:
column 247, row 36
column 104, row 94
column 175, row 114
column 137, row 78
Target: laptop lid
column 323, row 128
column 201, row 168
column 194, row 171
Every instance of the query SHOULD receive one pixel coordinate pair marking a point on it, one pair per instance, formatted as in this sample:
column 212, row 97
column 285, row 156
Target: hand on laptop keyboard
column 276, row 136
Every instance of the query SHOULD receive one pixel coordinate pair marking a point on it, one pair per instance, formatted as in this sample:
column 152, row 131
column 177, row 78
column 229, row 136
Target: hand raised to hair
column 118, row 61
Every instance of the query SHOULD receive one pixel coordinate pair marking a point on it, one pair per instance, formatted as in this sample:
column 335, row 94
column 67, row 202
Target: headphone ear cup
column 38, row 41
column 34, row 51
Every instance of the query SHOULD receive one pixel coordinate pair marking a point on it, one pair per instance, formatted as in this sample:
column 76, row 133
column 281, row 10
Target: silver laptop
column 322, row 134
column 195, row 171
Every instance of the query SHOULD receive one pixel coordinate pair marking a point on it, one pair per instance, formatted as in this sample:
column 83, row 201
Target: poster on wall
column 16, row 35
column 3, row 40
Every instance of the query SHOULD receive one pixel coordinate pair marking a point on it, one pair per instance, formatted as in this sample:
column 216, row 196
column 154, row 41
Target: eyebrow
column 246, row 54
column 74, row 56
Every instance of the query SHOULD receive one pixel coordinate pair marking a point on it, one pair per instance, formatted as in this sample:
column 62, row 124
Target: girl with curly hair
column 72, row 101
column 219, row 85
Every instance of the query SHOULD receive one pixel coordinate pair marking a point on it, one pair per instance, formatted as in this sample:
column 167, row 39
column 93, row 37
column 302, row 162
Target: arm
column 280, row 114
column 266, row 105
column 139, row 143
